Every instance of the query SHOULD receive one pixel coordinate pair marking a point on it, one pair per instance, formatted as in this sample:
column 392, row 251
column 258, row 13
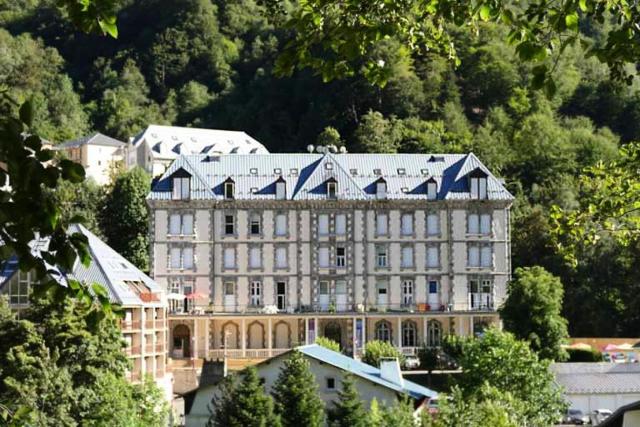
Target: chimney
column 390, row 370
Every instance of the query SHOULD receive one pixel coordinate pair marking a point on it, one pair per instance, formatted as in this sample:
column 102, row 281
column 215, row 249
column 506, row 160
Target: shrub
column 583, row 355
column 375, row 350
column 327, row 343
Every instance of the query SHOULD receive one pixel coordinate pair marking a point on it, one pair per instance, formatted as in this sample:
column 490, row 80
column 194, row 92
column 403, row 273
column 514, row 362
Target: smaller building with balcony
column 145, row 323
column 260, row 253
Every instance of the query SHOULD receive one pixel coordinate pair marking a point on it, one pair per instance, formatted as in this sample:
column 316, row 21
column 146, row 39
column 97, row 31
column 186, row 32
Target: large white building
column 265, row 252
column 157, row 146
column 144, row 303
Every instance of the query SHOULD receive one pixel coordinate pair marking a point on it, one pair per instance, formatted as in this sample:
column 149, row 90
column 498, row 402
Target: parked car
column 575, row 416
column 618, row 358
column 411, row 362
column 633, row 358
column 599, row 415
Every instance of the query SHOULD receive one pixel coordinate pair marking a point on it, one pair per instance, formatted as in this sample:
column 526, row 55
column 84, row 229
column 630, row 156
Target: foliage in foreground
column 532, row 311
column 328, row 343
column 347, row 410
column 63, row 360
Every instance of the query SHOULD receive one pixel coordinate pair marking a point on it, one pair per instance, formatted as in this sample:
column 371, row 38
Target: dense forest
column 209, row 63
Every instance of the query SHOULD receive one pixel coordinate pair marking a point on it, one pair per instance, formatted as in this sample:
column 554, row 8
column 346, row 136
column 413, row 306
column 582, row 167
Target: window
column 229, row 189
column 229, row 225
column 409, row 334
column 433, row 286
column 281, row 189
column 479, row 223
column 432, row 190
column 480, row 255
column 180, row 224
column 323, row 257
column 255, row 293
column 433, row 256
column 433, row 224
column 323, row 224
column 332, row 189
column 407, row 292
column 254, row 224
column 407, row 257
column 229, row 258
column 381, row 189
column 181, row 188
column 406, row 224
column 383, row 331
column 478, row 187
column 402, row 171
column 341, row 256
column 181, row 257
column 331, row 383
column 293, row 171
column 381, row 256
column 481, row 293
column 281, row 257
column 281, row 295
column 341, row 224
column 434, row 333
column 382, row 228
column 20, row 287
column 229, row 288
column 281, row 224
column 255, row 257
column 328, row 166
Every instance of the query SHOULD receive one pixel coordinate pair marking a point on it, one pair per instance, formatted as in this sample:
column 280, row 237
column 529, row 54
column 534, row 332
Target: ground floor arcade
column 264, row 335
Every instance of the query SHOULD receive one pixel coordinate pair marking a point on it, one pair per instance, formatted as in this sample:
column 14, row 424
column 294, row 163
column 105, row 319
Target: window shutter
column 323, row 257
column 381, row 224
column 486, row 256
column 175, row 261
column 473, row 223
column 323, row 224
column 485, row 223
column 474, row 256
column 187, row 257
column 185, row 188
column 341, row 224
column 254, row 258
column 407, row 224
column 174, row 224
column 433, row 224
column 281, row 225
column 281, row 257
column 187, row 224
column 407, row 256
column 432, row 256
column 229, row 258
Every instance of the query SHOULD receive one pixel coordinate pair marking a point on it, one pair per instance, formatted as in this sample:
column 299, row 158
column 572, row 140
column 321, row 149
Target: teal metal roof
column 306, row 176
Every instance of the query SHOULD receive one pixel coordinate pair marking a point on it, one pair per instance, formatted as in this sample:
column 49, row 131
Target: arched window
column 409, row 334
column 383, row 331
column 434, row 333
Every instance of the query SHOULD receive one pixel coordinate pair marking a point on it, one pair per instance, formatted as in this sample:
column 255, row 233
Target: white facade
column 268, row 273
column 98, row 154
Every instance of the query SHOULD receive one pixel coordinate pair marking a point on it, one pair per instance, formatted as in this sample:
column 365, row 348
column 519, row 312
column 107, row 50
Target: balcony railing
column 130, row 324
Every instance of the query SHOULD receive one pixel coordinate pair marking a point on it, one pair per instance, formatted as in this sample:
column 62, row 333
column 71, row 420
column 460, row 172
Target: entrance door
column 281, row 295
column 181, row 341
column 229, row 297
column 188, row 303
column 333, row 332
column 341, row 295
column 383, row 296
column 323, row 299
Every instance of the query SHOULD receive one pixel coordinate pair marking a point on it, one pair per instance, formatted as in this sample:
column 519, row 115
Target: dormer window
column 332, row 189
column 229, row 189
column 381, row 189
column 281, row 189
column 478, row 184
column 181, row 185
column 432, row 189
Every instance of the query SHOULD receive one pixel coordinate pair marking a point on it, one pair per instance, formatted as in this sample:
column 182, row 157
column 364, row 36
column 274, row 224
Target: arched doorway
column 282, row 335
column 333, row 332
column 181, row 341
column 256, row 335
column 230, row 336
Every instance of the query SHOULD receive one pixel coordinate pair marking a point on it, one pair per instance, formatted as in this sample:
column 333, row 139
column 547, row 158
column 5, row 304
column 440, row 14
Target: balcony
column 129, row 325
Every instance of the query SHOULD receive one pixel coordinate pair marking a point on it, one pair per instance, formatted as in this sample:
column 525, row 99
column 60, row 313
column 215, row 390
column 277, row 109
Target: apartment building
column 145, row 324
column 260, row 253
column 156, row 147
column 97, row 153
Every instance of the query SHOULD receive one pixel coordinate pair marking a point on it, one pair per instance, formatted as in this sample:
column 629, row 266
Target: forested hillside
column 208, row 63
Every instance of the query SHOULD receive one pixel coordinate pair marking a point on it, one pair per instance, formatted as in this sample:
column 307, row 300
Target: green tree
column 296, row 394
column 499, row 360
column 376, row 350
column 329, row 136
column 348, row 410
column 532, row 311
column 81, row 201
column 376, row 134
column 243, row 402
column 124, row 219
column 328, row 343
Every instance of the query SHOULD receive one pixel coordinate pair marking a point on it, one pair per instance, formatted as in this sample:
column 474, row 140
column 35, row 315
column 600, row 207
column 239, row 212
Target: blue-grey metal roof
column 107, row 268
column 95, row 139
column 306, row 176
column 597, row 378
column 363, row 370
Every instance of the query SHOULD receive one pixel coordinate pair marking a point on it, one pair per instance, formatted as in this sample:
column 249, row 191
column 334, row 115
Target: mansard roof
column 406, row 176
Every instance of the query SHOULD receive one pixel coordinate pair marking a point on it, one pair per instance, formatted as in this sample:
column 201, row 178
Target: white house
column 157, row 146
column 386, row 384
column 97, row 153
column 591, row 386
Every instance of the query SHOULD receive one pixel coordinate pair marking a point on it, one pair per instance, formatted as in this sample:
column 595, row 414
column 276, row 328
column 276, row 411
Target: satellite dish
column 310, row 148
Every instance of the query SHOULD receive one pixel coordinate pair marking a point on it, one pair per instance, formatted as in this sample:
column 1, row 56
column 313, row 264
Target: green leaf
column 485, row 12
column 109, row 28
column 26, row 113
column 72, row 171
column 583, row 5
column 572, row 21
